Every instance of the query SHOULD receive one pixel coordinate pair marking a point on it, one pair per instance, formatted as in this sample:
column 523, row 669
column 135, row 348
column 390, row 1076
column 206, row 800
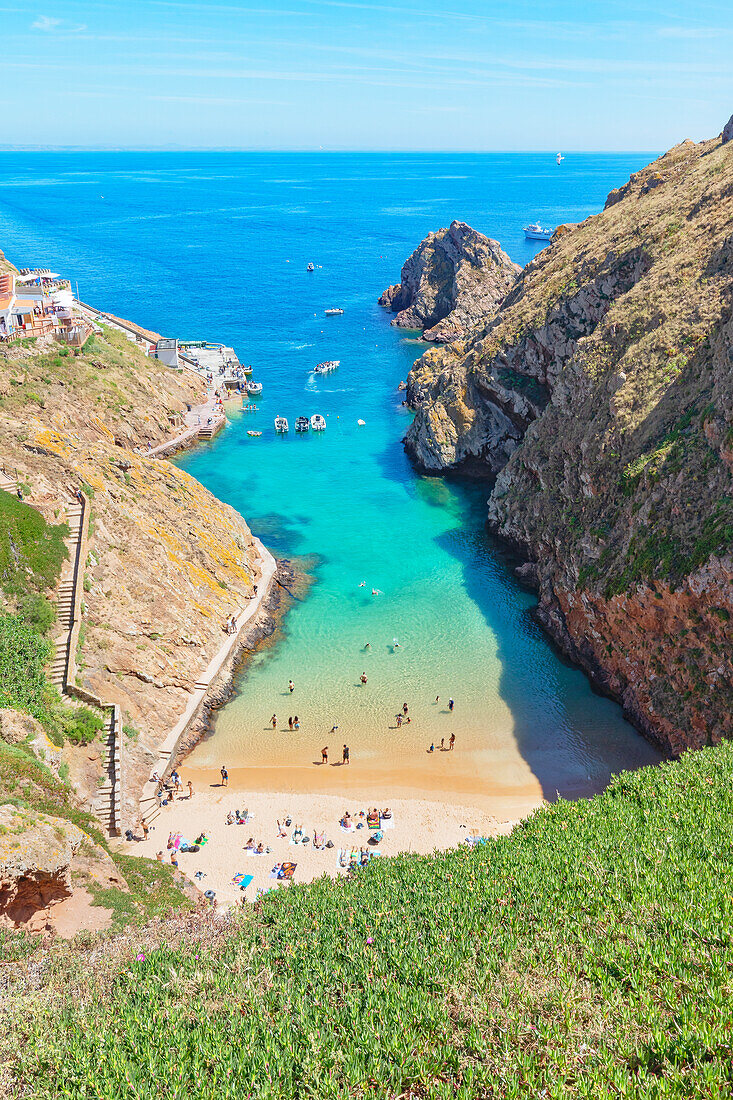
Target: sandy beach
column 418, row 824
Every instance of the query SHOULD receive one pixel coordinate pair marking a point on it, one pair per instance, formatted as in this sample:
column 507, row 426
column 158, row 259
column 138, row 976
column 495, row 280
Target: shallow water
column 215, row 246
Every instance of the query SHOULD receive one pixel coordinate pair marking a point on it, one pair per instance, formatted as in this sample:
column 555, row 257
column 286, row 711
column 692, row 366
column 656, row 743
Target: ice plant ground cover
column 586, row 955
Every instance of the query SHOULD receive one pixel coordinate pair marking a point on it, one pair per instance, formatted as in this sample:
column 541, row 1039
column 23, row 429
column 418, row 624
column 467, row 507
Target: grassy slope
column 588, row 954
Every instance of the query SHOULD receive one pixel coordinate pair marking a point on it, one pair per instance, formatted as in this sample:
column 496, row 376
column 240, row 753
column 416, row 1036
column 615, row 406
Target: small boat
column 281, row 425
column 333, row 312
column 361, row 423
column 254, row 387
column 254, row 433
column 302, row 423
column 559, row 158
column 310, row 267
column 246, row 371
column 318, row 424
column 327, row 367
column 535, row 232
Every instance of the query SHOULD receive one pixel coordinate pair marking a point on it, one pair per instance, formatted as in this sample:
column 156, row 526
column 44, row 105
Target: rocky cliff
column 454, row 280
column 167, row 562
column 600, row 397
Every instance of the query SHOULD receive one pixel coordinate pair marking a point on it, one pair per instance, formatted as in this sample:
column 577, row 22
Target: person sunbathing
column 230, row 818
column 259, row 849
column 250, row 844
column 346, row 821
column 281, row 830
column 298, row 834
column 386, row 813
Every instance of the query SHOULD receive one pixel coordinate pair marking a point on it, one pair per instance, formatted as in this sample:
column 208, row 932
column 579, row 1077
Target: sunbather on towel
column 250, row 844
column 297, row 834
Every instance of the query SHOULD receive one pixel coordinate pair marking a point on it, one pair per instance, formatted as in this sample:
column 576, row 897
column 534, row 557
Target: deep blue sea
column 215, row 246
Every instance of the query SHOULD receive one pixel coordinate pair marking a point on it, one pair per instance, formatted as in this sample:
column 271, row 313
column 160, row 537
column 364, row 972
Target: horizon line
column 550, row 151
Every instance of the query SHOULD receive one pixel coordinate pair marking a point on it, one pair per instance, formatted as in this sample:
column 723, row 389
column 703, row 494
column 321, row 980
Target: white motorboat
column 318, row 424
column 535, row 232
column 254, row 387
column 333, row 312
column 302, row 423
column 327, row 367
column 310, row 267
column 281, row 425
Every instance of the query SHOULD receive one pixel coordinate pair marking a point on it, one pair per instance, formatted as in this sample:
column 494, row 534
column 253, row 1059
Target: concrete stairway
column 104, row 801
column 8, row 483
column 59, row 673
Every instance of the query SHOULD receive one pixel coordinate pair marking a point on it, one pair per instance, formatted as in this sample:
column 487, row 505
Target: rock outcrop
column 600, row 398
column 36, row 853
column 167, row 562
column 454, row 280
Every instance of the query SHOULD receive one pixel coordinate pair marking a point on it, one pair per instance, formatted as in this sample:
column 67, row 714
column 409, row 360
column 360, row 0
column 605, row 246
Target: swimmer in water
column 368, row 645
column 363, row 584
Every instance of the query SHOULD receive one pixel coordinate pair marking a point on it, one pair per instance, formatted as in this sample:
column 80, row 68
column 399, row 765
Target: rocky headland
column 599, row 397
column 454, row 280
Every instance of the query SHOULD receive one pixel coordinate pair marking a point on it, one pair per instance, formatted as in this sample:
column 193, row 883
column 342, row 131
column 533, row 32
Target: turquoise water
column 216, row 247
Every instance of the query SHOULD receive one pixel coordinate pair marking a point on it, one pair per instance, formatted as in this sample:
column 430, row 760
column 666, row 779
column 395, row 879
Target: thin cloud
column 50, row 25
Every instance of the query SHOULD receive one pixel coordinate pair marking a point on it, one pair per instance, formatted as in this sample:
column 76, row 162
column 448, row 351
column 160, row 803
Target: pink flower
column 370, row 940
column 140, row 957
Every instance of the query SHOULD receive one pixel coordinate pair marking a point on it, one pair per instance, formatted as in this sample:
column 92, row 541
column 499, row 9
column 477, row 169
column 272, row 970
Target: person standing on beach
column 345, row 755
column 274, row 721
column 442, row 744
column 145, row 828
column 404, row 708
column 324, row 755
column 451, row 742
column 296, row 723
column 363, row 677
column 190, row 789
column 224, row 777
column 290, row 722
column 291, row 686
column 451, row 704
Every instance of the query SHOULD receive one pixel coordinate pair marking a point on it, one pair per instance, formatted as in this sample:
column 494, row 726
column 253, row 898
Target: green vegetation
column 589, row 954
column 23, row 655
column 152, row 892
column 31, row 550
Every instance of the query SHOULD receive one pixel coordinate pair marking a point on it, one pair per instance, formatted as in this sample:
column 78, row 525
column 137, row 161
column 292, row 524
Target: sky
column 350, row 74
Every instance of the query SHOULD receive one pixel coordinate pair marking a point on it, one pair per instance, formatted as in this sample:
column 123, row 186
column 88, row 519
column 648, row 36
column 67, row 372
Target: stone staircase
column 106, row 801
column 68, row 600
column 8, row 483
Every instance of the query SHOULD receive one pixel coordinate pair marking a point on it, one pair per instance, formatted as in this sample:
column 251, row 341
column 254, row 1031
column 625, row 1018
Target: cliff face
column 601, row 397
column 452, row 281
column 167, row 561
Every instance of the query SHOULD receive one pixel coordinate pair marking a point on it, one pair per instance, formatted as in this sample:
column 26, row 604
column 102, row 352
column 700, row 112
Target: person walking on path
column 324, row 755
column 451, row 742
column 345, row 755
column 291, row 686
column 190, row 789
column 224, row 777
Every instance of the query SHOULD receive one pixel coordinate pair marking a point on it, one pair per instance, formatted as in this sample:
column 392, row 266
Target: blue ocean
column 215, row 246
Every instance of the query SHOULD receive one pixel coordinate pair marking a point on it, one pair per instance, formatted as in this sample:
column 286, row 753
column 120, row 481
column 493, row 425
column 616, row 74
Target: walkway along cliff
column 165, row 564
column 599, row 397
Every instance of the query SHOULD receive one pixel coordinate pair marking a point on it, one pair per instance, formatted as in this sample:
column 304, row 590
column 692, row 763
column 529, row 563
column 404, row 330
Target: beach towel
column 241, row 879
column 275, row 870
column 343, row 859
column 287, row 870
column 177, row 840
column 347, row 828
column 373, row 820
column 387, row 822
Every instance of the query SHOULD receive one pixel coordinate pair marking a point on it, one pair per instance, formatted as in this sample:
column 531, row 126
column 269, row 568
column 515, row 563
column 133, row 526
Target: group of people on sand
column 299, row 836
column 373, row 815
column 167, row 790
column 451, row 743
